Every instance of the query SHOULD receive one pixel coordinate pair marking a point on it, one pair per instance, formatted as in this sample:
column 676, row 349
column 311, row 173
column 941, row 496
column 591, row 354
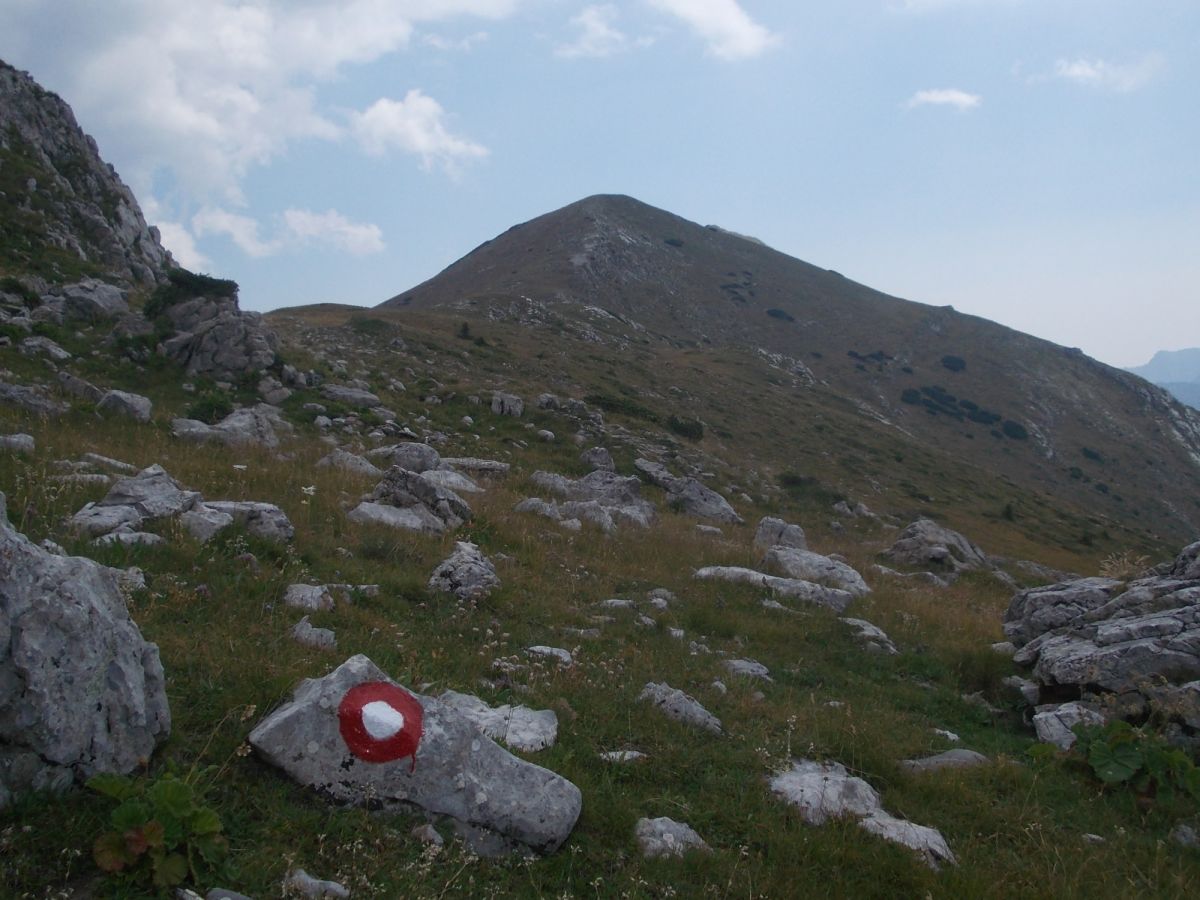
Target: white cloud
column 242, row 230
column 597, row 36
column 417, row 125
column 952, row 97
column 295, row 229
column 331, row 227
column 206, row 91
column 177, row 239
column 727, row 28
column 464, row 44
column 1123, row 78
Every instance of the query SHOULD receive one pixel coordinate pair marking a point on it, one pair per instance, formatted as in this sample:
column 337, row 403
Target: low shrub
column 209, row 407
column 692, row 429
column 184, row 285
column 1014, row 430
column 954, row 363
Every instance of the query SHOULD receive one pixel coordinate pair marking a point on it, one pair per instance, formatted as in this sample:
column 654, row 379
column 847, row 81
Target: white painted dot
column 382, row 720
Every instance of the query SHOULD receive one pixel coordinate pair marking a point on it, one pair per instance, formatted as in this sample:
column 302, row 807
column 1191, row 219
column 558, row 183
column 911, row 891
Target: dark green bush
column 184, row 285
column 954, row 363
column 780, row 314
column 1014, row 430
column 692, row 429
column 621, row 405
column 673, row 241
column 209, row 407
column 910, row 395
column 1092, row 454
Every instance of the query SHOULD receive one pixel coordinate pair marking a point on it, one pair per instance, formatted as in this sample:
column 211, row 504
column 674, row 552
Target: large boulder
column 927, row 545
column 507, row 404
column 215, row 338
column 772, row 532
column 687, row 494
column 792, row 563
column 92, row 301
column 357, row 737
column 31, row 400
column 81, row 691
column 259, row 424
column 123, row 403
column 1037, row 610
column 408, row 500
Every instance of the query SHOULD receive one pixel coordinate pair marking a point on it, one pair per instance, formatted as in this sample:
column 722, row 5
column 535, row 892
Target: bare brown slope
column 620, row 274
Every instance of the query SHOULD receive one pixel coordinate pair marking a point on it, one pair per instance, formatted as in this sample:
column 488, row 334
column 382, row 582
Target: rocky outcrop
column 601, row 497
column 355, row 736
column 213, row 337
column 1097, row 636
column 74, row 210
column 507, row 404
column 927, row 545
column 31, row 400
column 81, row 691
column 687, row 494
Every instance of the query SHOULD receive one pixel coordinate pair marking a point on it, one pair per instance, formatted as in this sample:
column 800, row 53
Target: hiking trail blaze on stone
column 380, row 722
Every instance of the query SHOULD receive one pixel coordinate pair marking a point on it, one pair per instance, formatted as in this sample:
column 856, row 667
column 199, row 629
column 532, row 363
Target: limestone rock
column 871, row 637
column 81, row 691
column 826, row 791
column 18, row 443
column 31, row 400
column 421, row 504
column 300, row 882
column 349, row 462
column 958, row 758
column 663, row 837
column 688, row 495
column 1053, row 724
column 214, row 338
column 303, row 632
column 507, row 404
column 259, row 424
column 792, row 562
column 927, row 545
column 466, row 573
column 122, row 403
column 677, row 705
column 598, row 458
column 203, row 522
column 519, row 727
column 748, row 668
column 834, row 598
column 264, row 520
column 92, row 301
column 412, row 455
column 455, row 770
column 452, row 481
column 1037, row 610
column 772, row 532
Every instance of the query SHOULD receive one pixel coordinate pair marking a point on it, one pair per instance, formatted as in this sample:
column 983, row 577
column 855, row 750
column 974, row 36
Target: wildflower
column 309, row 491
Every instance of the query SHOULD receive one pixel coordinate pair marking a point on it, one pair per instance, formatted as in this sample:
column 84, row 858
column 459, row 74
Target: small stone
column 665, row 837
column 563, row 657
column 427, row 834
column 317, row 638
column 622, row 756
column 305, row 885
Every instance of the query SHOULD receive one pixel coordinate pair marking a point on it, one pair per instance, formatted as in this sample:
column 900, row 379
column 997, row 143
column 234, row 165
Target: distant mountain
column 612, row 278
column 1177, row 371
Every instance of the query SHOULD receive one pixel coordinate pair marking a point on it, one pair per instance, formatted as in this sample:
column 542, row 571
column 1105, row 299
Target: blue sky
column 1030, row 161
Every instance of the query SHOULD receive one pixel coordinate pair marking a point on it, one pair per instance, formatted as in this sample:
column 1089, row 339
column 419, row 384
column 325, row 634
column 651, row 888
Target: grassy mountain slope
column 671, row 304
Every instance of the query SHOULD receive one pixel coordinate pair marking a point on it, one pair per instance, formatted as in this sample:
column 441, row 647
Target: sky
column 1034, row 162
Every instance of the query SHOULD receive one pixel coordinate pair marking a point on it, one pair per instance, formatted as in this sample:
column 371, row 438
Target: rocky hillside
column 512, row 596
column 1177, row 371
column 609, row 276
column 64, row 212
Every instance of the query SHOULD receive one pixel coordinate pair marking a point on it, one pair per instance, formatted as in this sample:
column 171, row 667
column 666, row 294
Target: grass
column 1016, row 826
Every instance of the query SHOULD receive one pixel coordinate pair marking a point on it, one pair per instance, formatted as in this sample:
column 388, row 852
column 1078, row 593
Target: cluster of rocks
column 152, row 496
column 258, row 425
column 412, row 501
column 83, row 692
column 602, row 498
column 1100, row 646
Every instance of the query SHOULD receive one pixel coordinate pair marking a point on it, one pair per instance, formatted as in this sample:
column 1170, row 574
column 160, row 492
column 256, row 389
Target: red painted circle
column 354, row 731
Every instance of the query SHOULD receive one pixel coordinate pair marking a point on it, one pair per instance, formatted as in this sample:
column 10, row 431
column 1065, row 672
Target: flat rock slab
column 264, row 520
column 824, row 791
column 663, row 837
column 792, row 562
column 748, row 668
column 872, row 637
column 350, row 462
column 772, row 532
column 794, row 588
column 958, row 758
column 681, row 707
column 452, row 769
column 519, row 727
column 411, row 518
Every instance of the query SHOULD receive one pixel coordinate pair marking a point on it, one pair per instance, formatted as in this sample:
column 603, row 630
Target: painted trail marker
column 380, row 722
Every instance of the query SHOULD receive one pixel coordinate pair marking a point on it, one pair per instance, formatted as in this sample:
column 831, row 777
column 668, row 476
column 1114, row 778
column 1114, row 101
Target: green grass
column 1016, row 826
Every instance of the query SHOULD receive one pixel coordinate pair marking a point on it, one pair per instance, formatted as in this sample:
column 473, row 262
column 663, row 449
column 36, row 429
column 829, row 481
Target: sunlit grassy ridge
column 1016, row 826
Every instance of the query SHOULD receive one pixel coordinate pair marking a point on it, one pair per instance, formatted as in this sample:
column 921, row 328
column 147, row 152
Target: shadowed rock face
column 80, row 691
column 927, row 545
column 456, row 770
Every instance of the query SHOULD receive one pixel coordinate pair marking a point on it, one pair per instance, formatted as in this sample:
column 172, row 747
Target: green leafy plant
column 184, row 285
column 160, row 833
column 1119, row 753
column 692, row 429
column 210, row 407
